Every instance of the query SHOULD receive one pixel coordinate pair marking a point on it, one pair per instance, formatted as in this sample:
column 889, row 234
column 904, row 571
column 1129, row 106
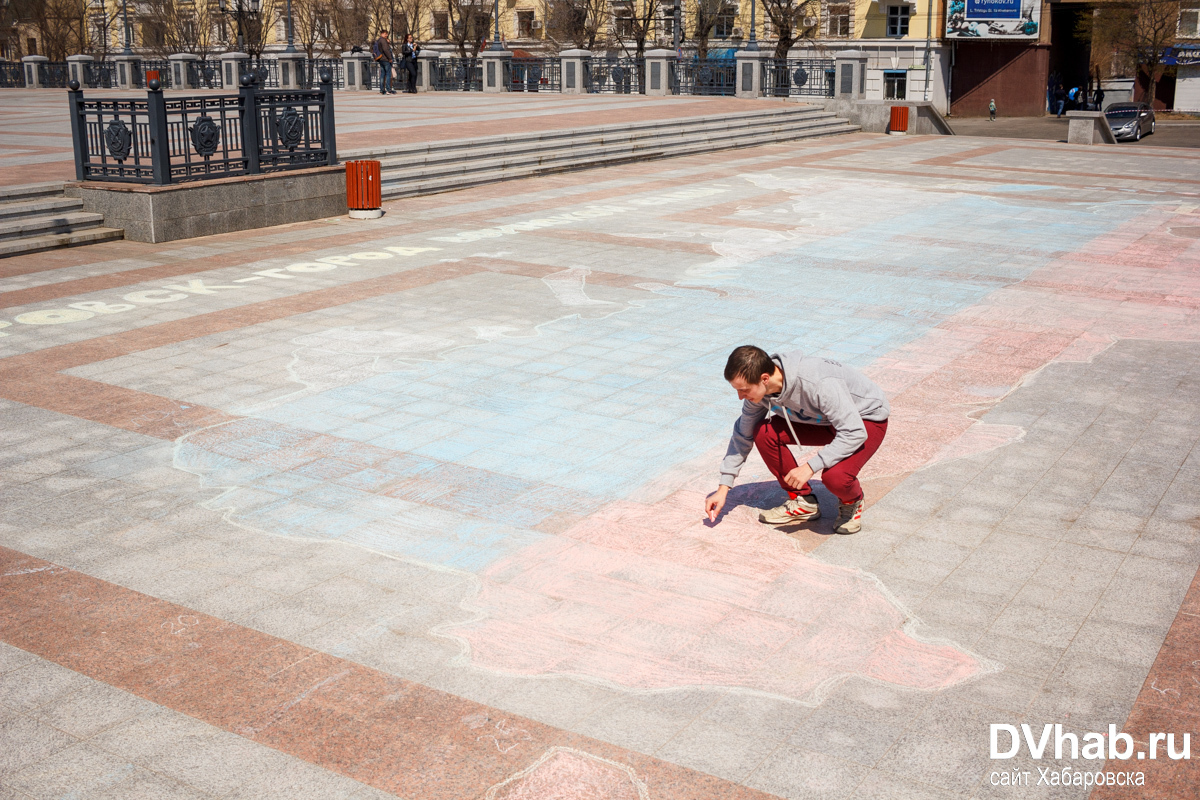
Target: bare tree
column 705, row 14
column 635, row 21
column 578, row 23
column 1133, row 36
column 178, row 26
column 61, row 25
column 792, row 21
column 470, row 25
column 351, row 22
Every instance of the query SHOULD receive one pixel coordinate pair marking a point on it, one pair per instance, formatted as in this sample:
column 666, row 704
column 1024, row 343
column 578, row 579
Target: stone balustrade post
column 77, row 66
column 749, row 72
column 660, row 72
column 231, row 69
column 426, row 63
column 850, row 74
column 356, row 66
column 35, row 73
column 181, row 75
column 574, row 80
column 497, row 70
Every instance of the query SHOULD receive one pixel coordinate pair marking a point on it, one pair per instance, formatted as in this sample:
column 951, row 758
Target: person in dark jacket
column 408, row 63
column 381, row 51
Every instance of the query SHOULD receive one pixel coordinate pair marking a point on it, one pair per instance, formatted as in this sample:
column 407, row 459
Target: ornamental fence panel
column 798, row 77
column 100, row 75
column 310, row 72
column 55, row 74
column 264, row 70
column 536, row 75
column 614, row 75
column 167, row 139
column 457, row 75
column 204, row 74
column 12, row 75
column 706, row 76
column 142, row 66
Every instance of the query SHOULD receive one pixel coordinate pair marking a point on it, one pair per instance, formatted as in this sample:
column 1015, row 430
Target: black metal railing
column 310, row 72
column 798, row 77
column 54, row 74
column 99, row 75
column 11, row 74
column 706, row 76
column 536, row 75
column 457, row 75
column 264, row 70
column 614, row 75
column 164, row 139
column 142, row 66
column 204, row 74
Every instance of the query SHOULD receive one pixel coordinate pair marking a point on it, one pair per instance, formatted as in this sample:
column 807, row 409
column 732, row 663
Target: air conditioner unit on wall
column 809, row 22
column 536, row 24
column 738, row 33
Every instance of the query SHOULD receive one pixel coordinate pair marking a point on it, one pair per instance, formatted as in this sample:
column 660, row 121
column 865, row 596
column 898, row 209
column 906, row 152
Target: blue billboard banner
column 993, row 9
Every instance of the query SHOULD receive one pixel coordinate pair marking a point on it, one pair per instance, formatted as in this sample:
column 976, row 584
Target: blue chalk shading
column 498, row 438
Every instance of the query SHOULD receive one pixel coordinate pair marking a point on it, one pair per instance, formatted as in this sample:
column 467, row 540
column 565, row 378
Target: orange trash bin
column 899, row 122
column 364, row 190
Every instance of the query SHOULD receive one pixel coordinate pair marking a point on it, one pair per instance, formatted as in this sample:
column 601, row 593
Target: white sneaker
column 797, row 509
column 849, row 517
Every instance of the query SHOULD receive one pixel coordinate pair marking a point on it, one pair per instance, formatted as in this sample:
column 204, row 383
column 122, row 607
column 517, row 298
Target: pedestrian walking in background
column 381, row 51
column 992, row 110
column 408, row 63
column 1098, row 99
column 1060, row 99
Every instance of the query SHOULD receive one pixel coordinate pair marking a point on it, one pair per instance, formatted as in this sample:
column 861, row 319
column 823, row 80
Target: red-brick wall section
column 1011, row 73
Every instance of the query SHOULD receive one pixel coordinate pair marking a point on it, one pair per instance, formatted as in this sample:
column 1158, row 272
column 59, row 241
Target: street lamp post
column 128, row 51
column 238, row 12
column 291, row 45
column 496, row 19
column 753, row 43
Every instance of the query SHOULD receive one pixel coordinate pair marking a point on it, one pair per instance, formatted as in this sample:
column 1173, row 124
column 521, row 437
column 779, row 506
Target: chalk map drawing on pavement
column 553, row 438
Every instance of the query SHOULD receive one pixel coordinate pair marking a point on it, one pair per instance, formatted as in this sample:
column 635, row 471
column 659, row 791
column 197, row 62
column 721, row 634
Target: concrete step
column 645, row 127
column 53, row 241
column 578, row 158
column 418, row 179
column 476, row 150
column 69, row 222
column 417, row 187
column 31, row 191
column 38, row 207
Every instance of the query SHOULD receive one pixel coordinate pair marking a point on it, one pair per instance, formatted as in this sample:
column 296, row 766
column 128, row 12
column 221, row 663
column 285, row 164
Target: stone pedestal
column 231, row 69
column 355, row 66
column 426, row 63
column 291, row 69
column 77, row 67
column 850, row 74
column 124, row 67
column 497, row 70
column 179, row 71
column 749, row 72
column 573, row 62
column 660, row 73
column 34, row 73
column 1089, row 127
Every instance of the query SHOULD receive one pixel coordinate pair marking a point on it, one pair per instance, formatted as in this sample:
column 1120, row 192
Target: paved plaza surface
column 35, row 128
column 413, row 507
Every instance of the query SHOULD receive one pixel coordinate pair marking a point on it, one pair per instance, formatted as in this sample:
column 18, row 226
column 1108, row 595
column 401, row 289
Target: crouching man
column 799, row 400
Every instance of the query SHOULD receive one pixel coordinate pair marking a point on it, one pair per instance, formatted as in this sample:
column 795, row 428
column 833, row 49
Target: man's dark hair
column 749, row 363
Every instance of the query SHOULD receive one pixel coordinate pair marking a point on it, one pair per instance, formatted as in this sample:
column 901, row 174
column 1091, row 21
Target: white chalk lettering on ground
column 567, row 218
column 178, row 292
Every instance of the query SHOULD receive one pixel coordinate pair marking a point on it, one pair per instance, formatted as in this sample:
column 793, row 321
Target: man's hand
column 715, row 502
column 799, row 476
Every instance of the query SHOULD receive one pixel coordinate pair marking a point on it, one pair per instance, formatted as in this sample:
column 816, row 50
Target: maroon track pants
column 841, row 479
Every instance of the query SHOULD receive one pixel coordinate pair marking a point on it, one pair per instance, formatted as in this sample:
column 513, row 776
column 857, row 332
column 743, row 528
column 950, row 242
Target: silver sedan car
column 1130, row 120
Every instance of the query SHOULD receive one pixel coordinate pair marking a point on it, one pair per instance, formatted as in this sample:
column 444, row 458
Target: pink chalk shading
column 648, row 596
column 567, row 774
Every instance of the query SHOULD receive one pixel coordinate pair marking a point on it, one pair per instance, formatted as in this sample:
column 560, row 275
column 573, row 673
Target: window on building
column 525, row 24
column 1189, row 23
column 622, row 19
column 31, row 46
column 222, row 30
column 839, row 21
column 897, row 20
column 441, row 25
column 726, row 21
column 895, row 85
column 325, row 28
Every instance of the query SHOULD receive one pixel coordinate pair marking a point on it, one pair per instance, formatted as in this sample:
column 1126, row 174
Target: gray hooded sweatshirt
column 816, row 391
